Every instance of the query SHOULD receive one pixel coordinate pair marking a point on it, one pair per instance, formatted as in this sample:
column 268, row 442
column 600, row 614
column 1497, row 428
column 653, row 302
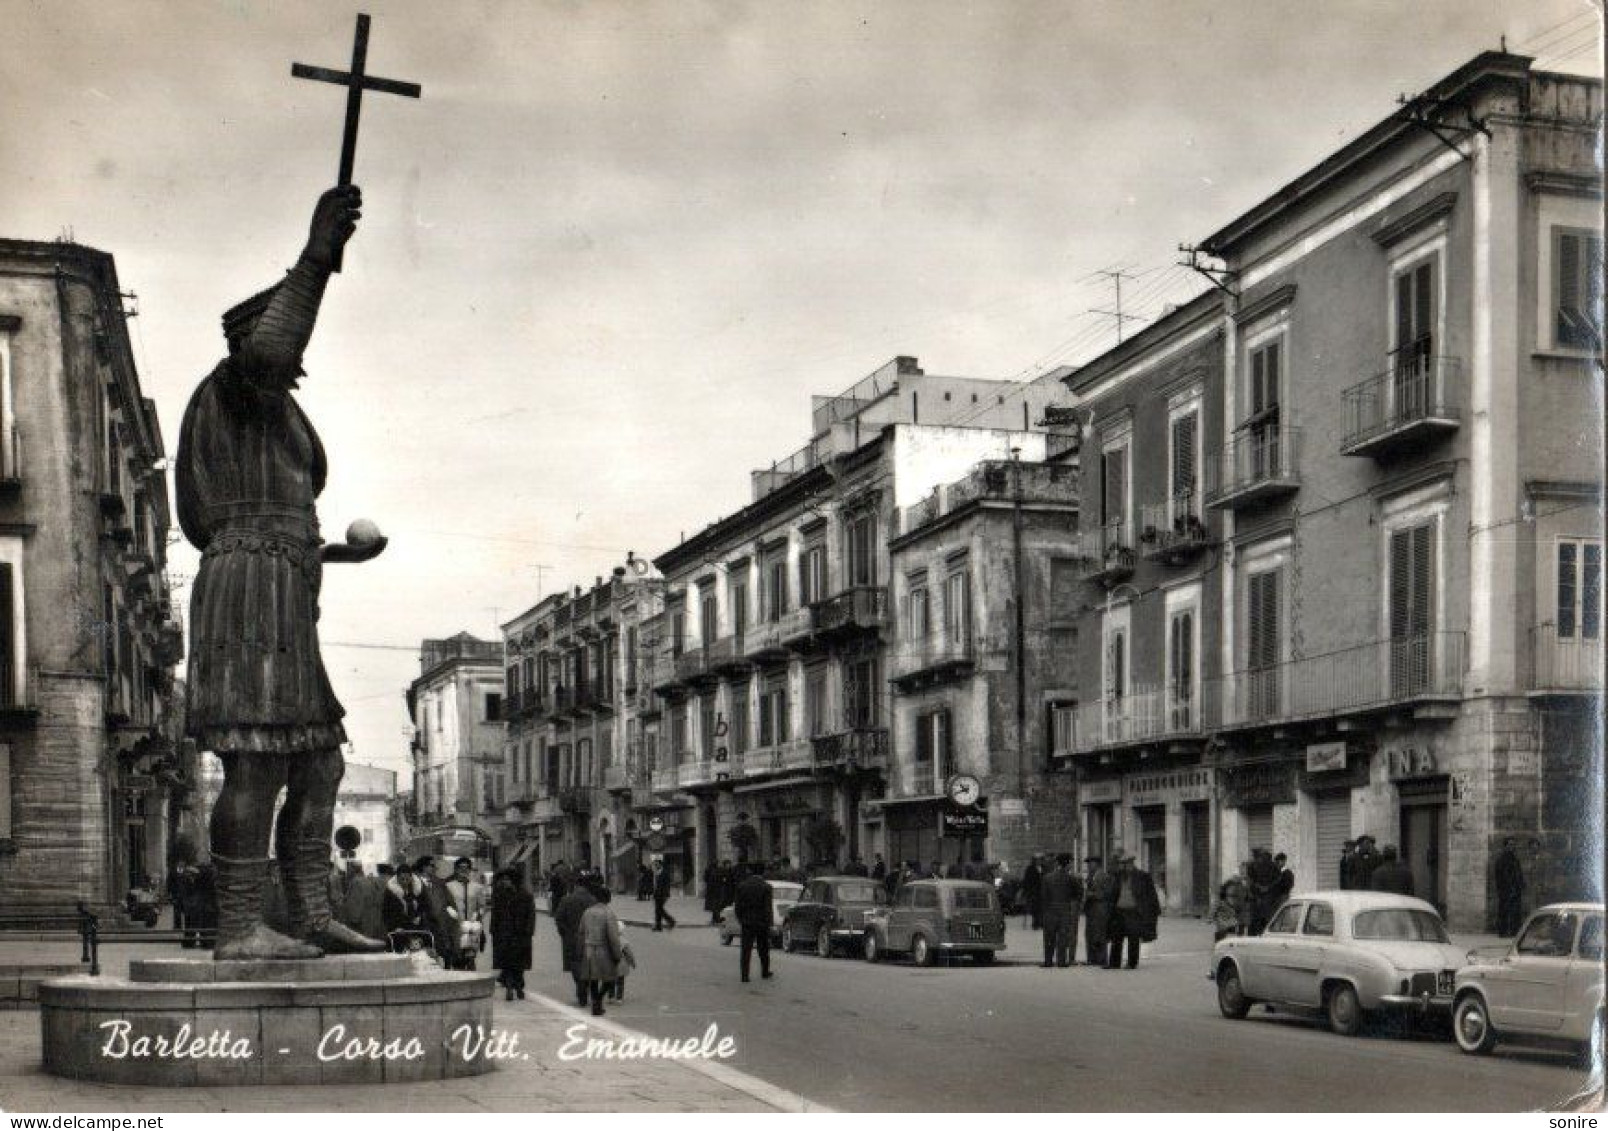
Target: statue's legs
column 302, row 843
column 240, row 820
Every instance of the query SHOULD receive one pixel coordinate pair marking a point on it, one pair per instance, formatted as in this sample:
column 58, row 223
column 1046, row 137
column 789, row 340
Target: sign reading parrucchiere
column 1266, row 783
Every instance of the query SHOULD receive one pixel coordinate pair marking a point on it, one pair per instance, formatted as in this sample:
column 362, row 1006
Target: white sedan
column 1548, row 987
column 1344, row 953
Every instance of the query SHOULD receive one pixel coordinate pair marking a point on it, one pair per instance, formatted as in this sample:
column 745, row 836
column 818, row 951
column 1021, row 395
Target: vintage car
column 784, row 893
column 1343, row 953
column 832, row 912
column 929, row 918
column 1547, row 988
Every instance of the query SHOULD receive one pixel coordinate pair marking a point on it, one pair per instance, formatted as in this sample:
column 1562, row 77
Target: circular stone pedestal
column 359, row 1019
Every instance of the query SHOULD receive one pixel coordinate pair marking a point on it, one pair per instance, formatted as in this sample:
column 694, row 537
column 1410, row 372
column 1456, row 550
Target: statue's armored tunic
column 250, row 468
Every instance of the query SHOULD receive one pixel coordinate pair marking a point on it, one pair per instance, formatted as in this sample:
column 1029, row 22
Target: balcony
column 702, row 772
column 1172, row 533
column 914, row 664
column 563, row 700
column 794, row 754
column 1258, row 466
column 662, row 674
column 1145, row 716
column 692, row 666
column 594, row 697
column 772, row 640
column 1107, row 553
column 860, row 608
column 1412, row 404
column 575, row 799
column 725, row 656
column 666, row 779
column 857, row 748
column 1414, row 671
column 1570, row 663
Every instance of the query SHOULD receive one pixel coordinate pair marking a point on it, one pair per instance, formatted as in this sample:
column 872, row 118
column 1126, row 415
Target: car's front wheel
column 873, row 947
column 788, row 945
column 1345, row 1011
column 1231, row 999
column 1471, row 1025
column 921, row 951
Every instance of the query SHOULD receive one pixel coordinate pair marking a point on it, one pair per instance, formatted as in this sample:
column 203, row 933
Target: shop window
column 1579, row 603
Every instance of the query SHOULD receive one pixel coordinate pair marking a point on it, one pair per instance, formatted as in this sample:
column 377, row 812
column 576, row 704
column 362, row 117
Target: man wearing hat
column 1061, row 897
column 1096, row 905
column 1348, row 861
column 1134, row 909
column 249, row 472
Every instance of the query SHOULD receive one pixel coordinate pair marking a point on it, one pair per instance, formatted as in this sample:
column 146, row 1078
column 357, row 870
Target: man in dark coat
column 567, row 919
column 440, row 918
column 755, row 910
column 1133, row 911
column 1509, row 876
column 1061, row 898
column 879, row 870
column 1260, row 878
column 1392, row 875
column 1348, row 864
column 1032, row 885
column 513, row 922
column 661, row 893
column 1283, row 885
column 1363, row 863
column 1096, row 908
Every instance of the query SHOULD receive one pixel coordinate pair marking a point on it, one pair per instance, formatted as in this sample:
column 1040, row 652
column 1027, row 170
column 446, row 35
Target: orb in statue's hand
column 363, row 532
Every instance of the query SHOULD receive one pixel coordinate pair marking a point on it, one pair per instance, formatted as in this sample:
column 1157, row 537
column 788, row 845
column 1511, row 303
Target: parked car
column 1345, row 954
column 784, row 893
column 1547, row 988
column 933, row 917
column 832, row 912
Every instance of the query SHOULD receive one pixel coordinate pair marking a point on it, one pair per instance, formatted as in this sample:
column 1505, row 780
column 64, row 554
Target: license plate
column 976, row 930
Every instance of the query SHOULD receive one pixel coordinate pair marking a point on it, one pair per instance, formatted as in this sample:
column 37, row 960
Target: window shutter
column 924, row 739
column 942, row 746
column 1183, row 468
column 1423, row 610
column 8, row 641
column 1569, row 289
column 1590, row 592
column 1412, row 570
column 1263, row 629
column 1115, row 471
column 1566, row 590
column 1423, row 303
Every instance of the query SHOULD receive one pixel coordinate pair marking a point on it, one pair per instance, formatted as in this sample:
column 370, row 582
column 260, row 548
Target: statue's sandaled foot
column 261, row 942
column 337, row 938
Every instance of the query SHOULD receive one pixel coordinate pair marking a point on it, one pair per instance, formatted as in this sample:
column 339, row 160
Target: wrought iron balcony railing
column 1173, row 531
column 858, row 607
column 858, row 747
column 1107, row 553
column 1146, row 714
column 1259, row 465
column 1416, row 400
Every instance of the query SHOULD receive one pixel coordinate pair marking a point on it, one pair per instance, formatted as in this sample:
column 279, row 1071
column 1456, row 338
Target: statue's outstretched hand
column 334, row 220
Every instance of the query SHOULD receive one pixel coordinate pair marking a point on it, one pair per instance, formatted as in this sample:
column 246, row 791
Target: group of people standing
column 1119, row 908
column 596, row 953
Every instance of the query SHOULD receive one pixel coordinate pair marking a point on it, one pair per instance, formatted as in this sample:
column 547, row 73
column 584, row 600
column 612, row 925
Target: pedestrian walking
column 754, row 907
column 1097, row 885
column 644, row 883
column 661, row 893
column 627, row 964
column 1032, row 883
column 559, row 882
column 1509, row 876
column 1392, row 874
column 513, row 923
column 567, row 921
column 1062, row 897
column 601, row 950
column 1134, row 909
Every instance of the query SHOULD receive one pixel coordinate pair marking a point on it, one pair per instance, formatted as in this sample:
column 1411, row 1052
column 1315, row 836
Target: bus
column 449, row 842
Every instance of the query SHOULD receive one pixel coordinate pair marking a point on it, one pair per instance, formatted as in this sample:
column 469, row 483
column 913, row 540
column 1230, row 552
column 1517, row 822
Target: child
column 1226, row 913
column 627, row 963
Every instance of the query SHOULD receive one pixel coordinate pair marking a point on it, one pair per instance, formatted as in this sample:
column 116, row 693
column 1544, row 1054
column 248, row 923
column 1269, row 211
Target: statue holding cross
column 249, row 472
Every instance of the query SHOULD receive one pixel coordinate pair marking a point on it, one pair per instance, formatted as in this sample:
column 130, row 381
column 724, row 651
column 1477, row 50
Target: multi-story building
column 1148, row 553
column 772, row 651
column 572, row 750
column 456, row 706
column 1404, row 477
column 985, row 589
column 365, row 803
column 90, row 773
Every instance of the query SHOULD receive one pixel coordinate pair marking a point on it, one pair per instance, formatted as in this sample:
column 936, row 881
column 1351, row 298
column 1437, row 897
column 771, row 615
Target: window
column 774, row 594
column 1549, row 936
column 511, row 678
column 926, row 897
column 1591, row 939
column 11, row 652
column 1579, row 589
column 493, row 707
column 1063, row 728
column 1577, row 289
column 1319, row 920
column 678, row 632
column 1181, row 670
column 708, row 616
column 812, row 575
column 815, row 701
column 1262, row 643
column 957, row 610
column 862, row 548
column 1412, row 360
column 1262, row 426
column 706, row 726
column 678, row 732
column 861, row 684
column 739, row 607
column 1184, row 457
column 1116, row 665
column 919, row 621
column 1399, row 923
column 1114, row 490
column 583, row 762
column 934, row 752
column 1412, row 577
column 739, row 718
column 773, row 728
column 1285, row 922
column 631, row 656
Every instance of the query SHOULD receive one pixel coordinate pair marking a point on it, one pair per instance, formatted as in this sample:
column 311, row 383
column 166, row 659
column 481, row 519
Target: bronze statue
column 250, row 468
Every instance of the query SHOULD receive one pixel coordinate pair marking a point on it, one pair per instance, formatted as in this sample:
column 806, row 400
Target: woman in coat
column 513, row 922
column 601, row 948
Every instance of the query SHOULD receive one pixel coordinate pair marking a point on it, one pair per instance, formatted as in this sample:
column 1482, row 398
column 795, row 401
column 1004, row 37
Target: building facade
column 1400, row 588
column 984, row 591
column 774, row 732
column 91, row 772
column 456, row 706
column 365, row 803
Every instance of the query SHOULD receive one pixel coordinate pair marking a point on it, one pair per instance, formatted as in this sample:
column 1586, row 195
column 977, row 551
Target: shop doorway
column 1258, row 830
column 1153, row 844
column 1198, row 843
column 1423, row 844
column 1333, row 810
column 1099, row 823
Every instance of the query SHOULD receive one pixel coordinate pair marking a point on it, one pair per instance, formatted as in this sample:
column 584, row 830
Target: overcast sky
column 612, row 251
